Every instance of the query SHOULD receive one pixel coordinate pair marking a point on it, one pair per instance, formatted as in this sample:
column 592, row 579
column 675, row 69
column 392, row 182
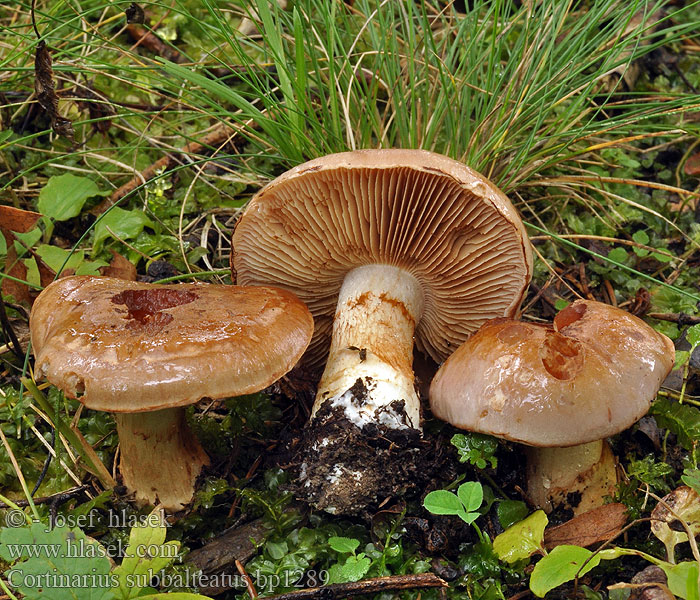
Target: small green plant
column 691, row 478
column 476, row 449
column 354, row 566
column 651, row 473
column 465, row 504
column 522, row 539
column 682, row 420
column 566, row 563
column 569, row 562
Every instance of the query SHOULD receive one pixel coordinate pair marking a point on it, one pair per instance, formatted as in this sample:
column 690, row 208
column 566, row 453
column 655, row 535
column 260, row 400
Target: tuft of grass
column 510, row 92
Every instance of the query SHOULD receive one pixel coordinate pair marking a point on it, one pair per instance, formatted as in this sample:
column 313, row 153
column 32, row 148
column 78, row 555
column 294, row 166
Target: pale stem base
column 160, row 457
column 555, row 473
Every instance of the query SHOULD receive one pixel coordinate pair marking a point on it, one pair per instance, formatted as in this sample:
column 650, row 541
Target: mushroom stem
column 365, row 424
column 369, row 373
column 160, row 457
column 578, row 477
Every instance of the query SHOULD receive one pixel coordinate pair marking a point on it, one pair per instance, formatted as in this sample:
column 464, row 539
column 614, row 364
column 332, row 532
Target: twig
column 611, row 292
column 218, row 557
column 368, row 586
column 54, row 499
column 214, row 138
column 680, row 318
column 153, row 42
column 252, row 592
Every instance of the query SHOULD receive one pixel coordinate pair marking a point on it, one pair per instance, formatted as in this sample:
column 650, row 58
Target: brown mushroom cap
column 123, row 346
column 445, row 224
column 590, row 376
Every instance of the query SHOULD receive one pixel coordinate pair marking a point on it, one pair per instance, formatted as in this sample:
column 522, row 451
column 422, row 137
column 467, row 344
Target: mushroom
column 384, row 247
column 146, row 351
column 561, row 389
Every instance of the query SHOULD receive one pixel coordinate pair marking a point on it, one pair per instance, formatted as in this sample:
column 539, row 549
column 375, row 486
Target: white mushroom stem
column 555, row 473
column 160, row 457
column 370, row 365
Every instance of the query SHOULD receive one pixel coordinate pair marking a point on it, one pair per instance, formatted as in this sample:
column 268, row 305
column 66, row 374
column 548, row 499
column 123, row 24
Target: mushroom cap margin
column 124, row 346
column 589, row 376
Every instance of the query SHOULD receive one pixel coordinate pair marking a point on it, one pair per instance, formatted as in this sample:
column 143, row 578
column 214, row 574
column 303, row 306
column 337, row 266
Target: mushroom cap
column 123, row 346
column 450, row 227
column 591, row 375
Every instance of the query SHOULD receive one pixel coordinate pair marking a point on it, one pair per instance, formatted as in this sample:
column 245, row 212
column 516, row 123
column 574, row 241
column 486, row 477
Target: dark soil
column 344, row 469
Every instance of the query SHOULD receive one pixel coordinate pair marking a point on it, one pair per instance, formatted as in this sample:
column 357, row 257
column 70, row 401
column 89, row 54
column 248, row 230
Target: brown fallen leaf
column 16, row 219
column 592, row 527
column 151, row 41
column 20, row 221
column 692, row 165
column 119, row 267
column 685, row 504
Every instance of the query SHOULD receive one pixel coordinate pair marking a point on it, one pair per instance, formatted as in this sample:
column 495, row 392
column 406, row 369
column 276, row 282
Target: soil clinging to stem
column 364, row 465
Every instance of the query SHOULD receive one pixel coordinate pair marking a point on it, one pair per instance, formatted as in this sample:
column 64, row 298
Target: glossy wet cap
column 447, row 225
column 591, row 375
column 124, row 346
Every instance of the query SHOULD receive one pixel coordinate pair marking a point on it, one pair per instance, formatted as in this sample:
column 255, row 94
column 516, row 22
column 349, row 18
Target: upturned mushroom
column 559, row 389
column 146, row 351
column 385, row 247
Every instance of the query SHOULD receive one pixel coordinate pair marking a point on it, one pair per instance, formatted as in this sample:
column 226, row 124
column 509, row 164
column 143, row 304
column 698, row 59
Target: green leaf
column 683, row 579
column 27, row 240
column 649, row 471
column 641, row 237
column 618, row 255
column 522, row 539
column 562, row 564
column 680, row 419
column 664, row 258
column 146, row 554
column 619, row 594
column 353, row 569
column 56, row 257
column 693, row 335
column 277, row 550
column 32, row 277
column 672, row 300
column 681, row 357
column 343, row 544
column 442, row 502
column 356, row 567
column 55, row 564
column 124, row 224
column 510, row 512
column 691, row 478
column 471, row 494
column 63, row 196
column 468, row 518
